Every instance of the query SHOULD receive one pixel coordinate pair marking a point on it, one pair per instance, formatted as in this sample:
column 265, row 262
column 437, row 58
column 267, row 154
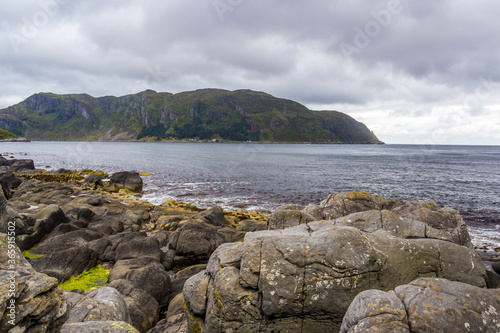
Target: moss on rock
column 94, row 277
column 28, row 255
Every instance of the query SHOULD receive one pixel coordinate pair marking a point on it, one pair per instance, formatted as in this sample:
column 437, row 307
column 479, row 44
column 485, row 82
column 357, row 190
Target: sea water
column 264, row 176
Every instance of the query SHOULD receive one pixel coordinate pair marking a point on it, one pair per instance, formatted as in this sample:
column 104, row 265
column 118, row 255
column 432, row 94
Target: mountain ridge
column 240, row 115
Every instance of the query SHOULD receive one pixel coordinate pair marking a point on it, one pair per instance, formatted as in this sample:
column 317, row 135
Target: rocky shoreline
column 353, row 263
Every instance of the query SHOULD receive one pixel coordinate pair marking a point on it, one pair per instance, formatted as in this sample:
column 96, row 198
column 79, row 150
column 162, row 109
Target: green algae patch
column 28, row 255
column 94, row 277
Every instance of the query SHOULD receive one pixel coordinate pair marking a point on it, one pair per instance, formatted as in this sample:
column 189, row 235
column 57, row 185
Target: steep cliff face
column 208, row 113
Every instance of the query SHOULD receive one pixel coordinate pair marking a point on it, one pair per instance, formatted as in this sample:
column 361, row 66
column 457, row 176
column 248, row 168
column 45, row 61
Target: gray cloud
column 388, row 63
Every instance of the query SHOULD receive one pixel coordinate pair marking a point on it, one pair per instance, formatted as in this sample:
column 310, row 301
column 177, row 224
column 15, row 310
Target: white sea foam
column 157, row 198
column 485, row 237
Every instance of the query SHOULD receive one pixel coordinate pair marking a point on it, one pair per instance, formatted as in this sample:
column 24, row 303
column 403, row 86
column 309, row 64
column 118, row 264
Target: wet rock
column 213, row 216
column 425, row 305
column 307, row 276
column 5, row 162
column 128, row 180
column 18, row 165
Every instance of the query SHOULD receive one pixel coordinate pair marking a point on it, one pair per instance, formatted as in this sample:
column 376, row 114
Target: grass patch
column 94, row 277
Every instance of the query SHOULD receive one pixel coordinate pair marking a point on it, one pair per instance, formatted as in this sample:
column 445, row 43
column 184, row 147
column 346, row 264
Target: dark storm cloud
column 358, row 55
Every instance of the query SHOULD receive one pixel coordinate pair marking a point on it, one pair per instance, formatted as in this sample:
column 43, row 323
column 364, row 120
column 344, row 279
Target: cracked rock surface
column 303, row 279
column 425, row 305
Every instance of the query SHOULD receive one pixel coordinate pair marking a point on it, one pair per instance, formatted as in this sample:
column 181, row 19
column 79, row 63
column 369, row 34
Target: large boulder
column 304, row 278
column 66, row 255
column 128, row 180
column 194, row 242
column 18, row 165
column 66, row 263
column 39, row 225
column 144, row 273
column 103, row 304
column 425, row 305
column 139, row 247
column 129, row 245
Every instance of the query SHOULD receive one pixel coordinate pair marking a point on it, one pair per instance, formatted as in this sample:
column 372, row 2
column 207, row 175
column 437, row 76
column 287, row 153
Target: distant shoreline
column 15, row 140
column 205, row 141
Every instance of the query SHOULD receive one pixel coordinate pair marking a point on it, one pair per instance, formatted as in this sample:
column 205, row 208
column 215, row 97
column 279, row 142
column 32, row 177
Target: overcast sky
column 425, row 71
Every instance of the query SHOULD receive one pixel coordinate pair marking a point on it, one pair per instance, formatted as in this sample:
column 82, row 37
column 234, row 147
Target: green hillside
column 239, row 115
column 6, row 135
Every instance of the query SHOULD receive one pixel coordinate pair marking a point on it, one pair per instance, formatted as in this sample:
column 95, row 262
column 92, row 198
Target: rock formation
column 414, row 219
column 304, row 278
column 425, row 305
